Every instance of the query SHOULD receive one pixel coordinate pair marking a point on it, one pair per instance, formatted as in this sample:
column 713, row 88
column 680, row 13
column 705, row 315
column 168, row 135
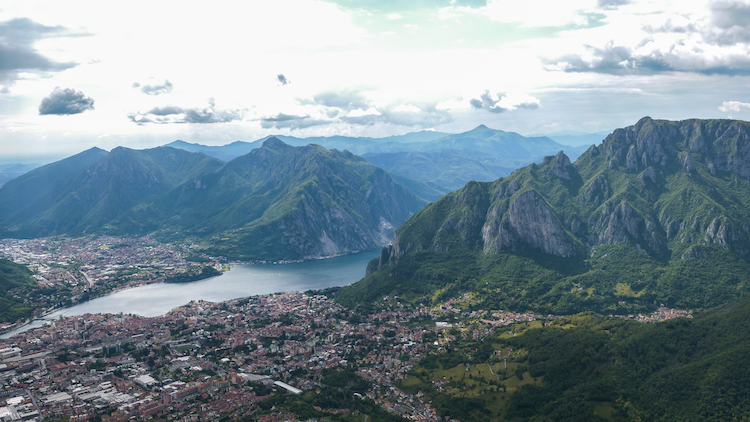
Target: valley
column 631, row 259
column 375, row 211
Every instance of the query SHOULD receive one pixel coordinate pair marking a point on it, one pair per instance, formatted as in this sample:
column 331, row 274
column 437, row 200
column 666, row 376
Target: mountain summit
column 664, row 192
column 276, row 202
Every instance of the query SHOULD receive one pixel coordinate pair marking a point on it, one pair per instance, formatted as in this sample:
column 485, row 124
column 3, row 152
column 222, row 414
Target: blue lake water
column 240, row 281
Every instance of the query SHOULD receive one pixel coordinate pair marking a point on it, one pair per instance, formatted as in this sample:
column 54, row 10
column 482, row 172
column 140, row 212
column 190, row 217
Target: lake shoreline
column 242, row 280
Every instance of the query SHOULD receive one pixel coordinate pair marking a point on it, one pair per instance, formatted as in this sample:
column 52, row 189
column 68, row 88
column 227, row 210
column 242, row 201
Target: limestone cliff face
column 528, row 223
column 660, row 186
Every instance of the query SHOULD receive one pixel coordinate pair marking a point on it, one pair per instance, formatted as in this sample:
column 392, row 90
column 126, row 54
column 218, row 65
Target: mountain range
column 276, row 202
column 441, row 162
column 658, row 213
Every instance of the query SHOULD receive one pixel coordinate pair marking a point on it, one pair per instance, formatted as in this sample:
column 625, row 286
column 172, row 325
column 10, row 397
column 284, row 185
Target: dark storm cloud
column 157, row 89
column 176, row 114
column 66, row 101
column 345, row 100
column 17, row 52
column 621, row 60
column 282, row 79
column 290, row 121
column 486, row 102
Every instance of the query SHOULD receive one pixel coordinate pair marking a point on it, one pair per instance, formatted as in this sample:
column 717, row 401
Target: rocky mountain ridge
column 659, row 192
column 629, row 190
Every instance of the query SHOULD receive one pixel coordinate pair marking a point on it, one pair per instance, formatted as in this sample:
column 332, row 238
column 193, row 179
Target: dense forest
column 589, row 367
column 14, row 279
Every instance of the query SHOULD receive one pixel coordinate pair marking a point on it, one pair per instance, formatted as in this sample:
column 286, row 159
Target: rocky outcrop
column 560, row 166
column 640, row 146
column 528, row 223
column 622, row 224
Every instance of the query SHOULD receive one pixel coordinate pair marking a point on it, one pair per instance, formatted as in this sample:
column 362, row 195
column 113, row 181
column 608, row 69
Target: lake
column 240, row 281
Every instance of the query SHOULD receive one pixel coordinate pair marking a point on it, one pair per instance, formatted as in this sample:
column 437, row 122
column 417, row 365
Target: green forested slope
column 282, row 202
column 13, row 277
column 678, row 370
column 276, row 202
column 658, row 213
column 593, row 368
column 82, row 194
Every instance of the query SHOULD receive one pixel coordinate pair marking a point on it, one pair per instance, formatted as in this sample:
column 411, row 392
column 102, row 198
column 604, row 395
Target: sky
column 79, row 74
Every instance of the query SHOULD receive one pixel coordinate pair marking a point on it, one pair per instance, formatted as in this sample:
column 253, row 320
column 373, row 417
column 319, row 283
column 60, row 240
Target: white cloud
column 655, row 37
column 735, row 106
column 394, row 16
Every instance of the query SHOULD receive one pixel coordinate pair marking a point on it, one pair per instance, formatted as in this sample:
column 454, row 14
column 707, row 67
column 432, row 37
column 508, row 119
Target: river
column 240, row 281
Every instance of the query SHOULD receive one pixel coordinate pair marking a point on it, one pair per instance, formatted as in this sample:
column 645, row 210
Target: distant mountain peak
column 275, row 143
column 480, row 128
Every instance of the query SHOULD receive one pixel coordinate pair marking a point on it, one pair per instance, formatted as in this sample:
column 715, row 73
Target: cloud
column 393, row 6
column 612, row 59
column 345, row 100
column 401, row 115
column 65, row 101
column 176, row 114
column 290, row 121
column 711, row 38
column 621, row 60
column 486, row 102
column 731, row 21
column 17, row 52
column 611, row 4
column 503, row 103
column 166, row 110
column 736, row 106
column 530, row 13
column 155, row 89
column 353, row 108
column 282, row 79
column 726, row 24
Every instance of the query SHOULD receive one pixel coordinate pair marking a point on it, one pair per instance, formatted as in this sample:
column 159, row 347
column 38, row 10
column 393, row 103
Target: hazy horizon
column 80, row 74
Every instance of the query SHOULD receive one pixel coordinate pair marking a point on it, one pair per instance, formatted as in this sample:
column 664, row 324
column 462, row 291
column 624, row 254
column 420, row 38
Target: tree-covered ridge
column 84, row 193
column 676, row 195
column 588, row 367
column 677, row 370
column 276, row 202
column 13, row 279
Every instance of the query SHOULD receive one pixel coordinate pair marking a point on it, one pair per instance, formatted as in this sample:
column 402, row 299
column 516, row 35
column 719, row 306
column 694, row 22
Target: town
column 74, row 270
column 227, row 360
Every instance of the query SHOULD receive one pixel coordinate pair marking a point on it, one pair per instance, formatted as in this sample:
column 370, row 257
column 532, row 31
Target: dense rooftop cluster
column 225, row 359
